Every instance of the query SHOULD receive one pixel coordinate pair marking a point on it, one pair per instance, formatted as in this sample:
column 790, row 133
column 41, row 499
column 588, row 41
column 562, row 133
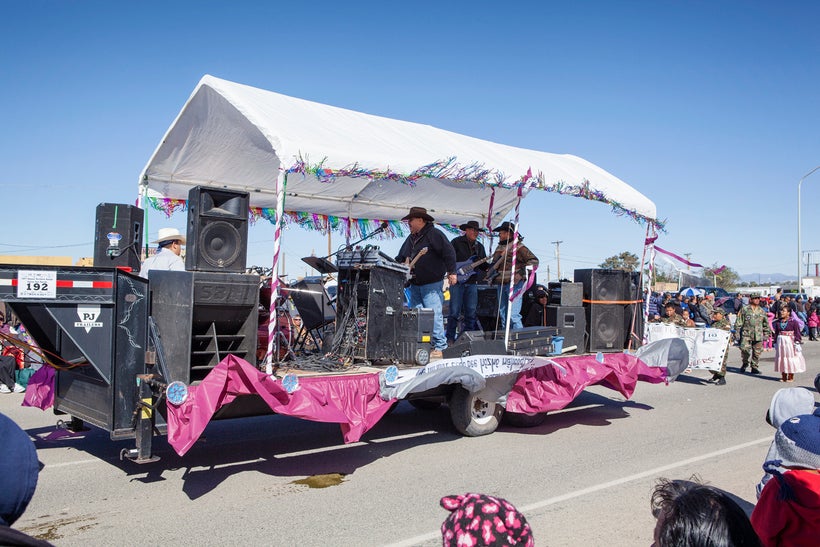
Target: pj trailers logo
column 88, row 317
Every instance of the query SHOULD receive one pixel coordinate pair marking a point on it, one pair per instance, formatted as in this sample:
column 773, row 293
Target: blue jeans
column 463, row 299
column 431, row 296
column 515, row 310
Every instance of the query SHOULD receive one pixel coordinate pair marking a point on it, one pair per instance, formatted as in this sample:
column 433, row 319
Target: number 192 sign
column 36, row 284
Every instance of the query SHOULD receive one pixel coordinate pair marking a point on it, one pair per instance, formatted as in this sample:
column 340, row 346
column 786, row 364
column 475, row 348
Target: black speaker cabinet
column 487, row 309
column 634, row 327
column 565, row 294
column 572, row 324
column 217, row 230
column 369, row 311
column 312, row 302
column 118, row 236
column 202, row 317
column 605, row 321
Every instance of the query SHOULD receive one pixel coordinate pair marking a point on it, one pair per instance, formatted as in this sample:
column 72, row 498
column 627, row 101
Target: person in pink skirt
column 788, row 357
column 768, row 343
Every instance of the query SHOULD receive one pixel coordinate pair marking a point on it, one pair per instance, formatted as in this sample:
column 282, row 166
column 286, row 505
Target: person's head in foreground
column 482, row 520
column 18, row 471
column 691, row 514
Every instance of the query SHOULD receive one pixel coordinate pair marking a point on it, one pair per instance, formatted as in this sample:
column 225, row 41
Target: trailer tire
column 519, row 419
column 472, row 416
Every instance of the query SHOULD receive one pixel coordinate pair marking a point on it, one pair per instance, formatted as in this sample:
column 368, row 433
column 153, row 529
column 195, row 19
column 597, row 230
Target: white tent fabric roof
column 349, row 164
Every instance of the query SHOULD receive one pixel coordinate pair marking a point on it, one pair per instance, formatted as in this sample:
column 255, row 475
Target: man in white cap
column 169, row 246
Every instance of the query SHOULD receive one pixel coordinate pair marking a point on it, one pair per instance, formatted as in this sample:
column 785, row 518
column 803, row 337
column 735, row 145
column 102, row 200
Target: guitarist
column 426, row 286
column 464, row 295
column 524, row 260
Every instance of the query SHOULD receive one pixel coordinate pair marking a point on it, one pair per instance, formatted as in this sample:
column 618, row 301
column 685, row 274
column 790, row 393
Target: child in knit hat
column 788, row 512
column 786, row 403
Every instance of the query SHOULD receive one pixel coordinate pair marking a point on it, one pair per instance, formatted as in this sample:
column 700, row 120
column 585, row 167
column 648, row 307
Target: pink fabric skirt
column 788, row 357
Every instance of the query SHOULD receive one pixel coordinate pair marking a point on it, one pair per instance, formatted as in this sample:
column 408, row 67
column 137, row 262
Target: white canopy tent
column 332, row 162
column 322, row 164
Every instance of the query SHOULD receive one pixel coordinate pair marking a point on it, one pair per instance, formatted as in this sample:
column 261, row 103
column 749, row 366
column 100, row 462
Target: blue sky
column 709, row 108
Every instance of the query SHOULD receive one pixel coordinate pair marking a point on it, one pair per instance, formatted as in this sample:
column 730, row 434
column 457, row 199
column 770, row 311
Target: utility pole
column 687, row 255
column 558, row 256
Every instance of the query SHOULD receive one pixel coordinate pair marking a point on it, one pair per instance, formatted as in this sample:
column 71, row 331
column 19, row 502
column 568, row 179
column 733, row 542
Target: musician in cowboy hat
column 169, row 246
column 464, row 295
column 426, row 286
column 525, row 262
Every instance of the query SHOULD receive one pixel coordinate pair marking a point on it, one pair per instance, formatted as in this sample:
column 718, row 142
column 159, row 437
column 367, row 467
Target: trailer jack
column 144, row 418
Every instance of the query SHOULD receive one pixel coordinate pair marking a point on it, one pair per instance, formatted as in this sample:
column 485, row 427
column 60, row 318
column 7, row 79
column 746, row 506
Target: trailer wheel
column 422, row 357
column 472, row 416
column 518, row 419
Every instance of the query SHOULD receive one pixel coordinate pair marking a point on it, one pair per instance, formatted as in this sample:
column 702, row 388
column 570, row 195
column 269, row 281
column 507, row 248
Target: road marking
column 598, row 487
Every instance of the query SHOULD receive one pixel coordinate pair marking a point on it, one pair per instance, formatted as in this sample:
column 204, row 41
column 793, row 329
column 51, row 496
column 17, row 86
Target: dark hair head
column 691, row 514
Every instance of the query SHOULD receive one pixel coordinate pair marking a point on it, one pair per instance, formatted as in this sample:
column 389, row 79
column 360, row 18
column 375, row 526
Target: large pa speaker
column 118, row 236
column 312, row 302
column 634, row 328
column 572, row 324
column 202, row 317
column 217, row 230
column 605, row 320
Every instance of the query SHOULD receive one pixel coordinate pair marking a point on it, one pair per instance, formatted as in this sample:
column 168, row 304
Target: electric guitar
column 494, row 272
column 410, row 263
column 465, row 270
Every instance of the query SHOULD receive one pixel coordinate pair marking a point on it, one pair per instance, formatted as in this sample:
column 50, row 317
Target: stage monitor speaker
column 217, row 230
column 118, row 236
column 605, row 320
column 572, row 324
column 312, row 303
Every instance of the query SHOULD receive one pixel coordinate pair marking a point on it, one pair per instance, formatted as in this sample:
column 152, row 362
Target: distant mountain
column 766, row 279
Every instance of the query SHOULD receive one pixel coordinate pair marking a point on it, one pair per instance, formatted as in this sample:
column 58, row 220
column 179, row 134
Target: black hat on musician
column 471, row 224
column 418, row 212
column 505, row 227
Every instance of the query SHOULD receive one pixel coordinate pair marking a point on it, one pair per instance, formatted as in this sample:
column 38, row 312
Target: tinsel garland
column 448, row 169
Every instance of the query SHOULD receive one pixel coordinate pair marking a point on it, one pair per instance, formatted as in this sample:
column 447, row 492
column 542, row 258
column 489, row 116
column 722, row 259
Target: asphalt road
column 583, row 477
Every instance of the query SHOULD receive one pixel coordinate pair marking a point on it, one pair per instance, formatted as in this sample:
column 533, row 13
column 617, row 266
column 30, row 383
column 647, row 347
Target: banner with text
column 706, row 346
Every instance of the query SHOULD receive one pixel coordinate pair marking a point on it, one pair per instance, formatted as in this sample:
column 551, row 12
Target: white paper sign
column 37, row 284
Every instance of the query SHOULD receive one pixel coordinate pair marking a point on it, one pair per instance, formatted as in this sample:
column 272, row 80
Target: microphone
column 382, row 227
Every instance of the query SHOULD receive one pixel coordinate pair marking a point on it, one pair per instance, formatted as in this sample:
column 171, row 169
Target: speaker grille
column 606, row 328
column 220, row 244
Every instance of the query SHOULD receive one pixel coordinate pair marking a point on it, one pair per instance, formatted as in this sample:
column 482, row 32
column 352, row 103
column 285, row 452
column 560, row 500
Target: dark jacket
column 470, row 252
column 439, row 260
column 537, row 316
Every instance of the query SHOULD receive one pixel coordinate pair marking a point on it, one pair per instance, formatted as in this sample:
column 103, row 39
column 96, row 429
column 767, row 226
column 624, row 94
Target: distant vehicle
column 719, row 292
column 794, row 295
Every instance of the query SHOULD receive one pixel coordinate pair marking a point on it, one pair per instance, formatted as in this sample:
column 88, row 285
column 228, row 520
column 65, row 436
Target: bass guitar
column 465, row 270
column 494, row 272
column 411, row 263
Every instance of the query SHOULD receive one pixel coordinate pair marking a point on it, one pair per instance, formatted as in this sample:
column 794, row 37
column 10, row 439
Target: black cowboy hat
column 471, row 224
column 418, row 212
column 505, row 226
